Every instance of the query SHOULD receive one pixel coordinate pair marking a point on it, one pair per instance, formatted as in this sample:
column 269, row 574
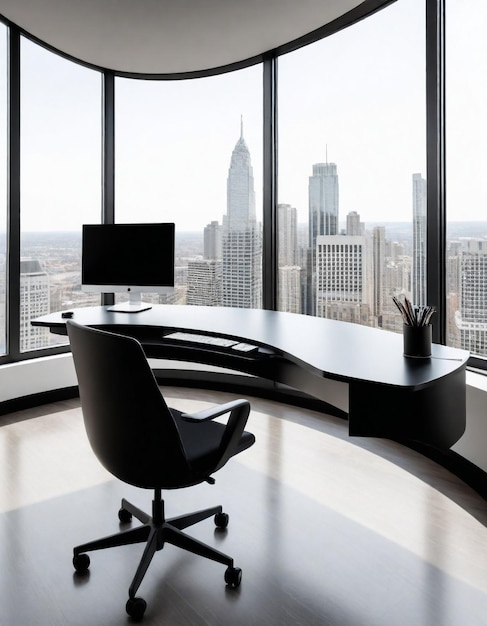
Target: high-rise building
column 419, row 240
column 212, row 241
column 354, row 225
column 289, row 274
column 340, row 273
column 323, row 217
column 323, row 201
column 204, row 282
column 34, row 302
column 453, row 289
column 378, row 265
column 289, row 289
column 471, row 319
column 287, row 233
column 241, row 235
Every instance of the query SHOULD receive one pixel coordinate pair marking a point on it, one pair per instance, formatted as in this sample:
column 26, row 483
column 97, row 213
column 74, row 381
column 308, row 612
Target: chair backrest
column 129, row 426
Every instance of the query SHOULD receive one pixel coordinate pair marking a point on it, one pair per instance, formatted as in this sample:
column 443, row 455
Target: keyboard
column 217, row 342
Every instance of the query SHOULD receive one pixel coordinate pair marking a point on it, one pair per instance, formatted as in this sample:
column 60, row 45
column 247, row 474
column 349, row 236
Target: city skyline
column 348, row 274
column 455, row 228
column 59, row 257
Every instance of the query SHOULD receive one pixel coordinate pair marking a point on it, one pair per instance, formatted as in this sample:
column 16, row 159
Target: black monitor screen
column 128, row 255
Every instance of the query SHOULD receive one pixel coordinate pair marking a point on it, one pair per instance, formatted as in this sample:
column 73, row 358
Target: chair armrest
column 214, row 411
column 239, row 412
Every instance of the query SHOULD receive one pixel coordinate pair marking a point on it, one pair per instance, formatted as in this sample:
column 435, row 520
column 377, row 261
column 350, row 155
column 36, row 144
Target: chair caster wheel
column 136, row 607
column 124, row 516
column 81, row 562
column 233, row 576
column 221, row 520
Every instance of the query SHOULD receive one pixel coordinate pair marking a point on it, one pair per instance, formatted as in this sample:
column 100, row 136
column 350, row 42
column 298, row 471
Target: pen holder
column 417, row 340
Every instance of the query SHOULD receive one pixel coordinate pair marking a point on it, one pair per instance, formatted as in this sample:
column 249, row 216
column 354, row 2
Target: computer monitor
column 128, row 258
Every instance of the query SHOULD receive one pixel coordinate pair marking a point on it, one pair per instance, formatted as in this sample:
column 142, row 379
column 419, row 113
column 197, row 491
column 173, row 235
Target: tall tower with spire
column 242, row 238
column 323, row 217
column 323, row 201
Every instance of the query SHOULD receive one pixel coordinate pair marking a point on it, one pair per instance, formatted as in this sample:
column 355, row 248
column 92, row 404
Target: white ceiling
column 169, row 36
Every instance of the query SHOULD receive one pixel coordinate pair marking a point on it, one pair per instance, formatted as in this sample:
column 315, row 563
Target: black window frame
column 435, row 167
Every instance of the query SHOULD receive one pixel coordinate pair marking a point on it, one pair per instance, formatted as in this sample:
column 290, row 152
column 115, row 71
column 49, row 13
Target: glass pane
column 466, row 184
column 351, row 170
column 3, row 187
column 60, row 184
column 190, row 152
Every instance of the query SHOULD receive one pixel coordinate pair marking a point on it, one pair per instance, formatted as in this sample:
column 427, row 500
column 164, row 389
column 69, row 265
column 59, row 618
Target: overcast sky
column 356, row 98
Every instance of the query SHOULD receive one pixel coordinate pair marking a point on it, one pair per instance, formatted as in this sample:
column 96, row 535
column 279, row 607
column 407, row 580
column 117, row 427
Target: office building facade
column 34, row 301
column 290, row 289
column 471, row 319
column 204, row 286
column 340, row 276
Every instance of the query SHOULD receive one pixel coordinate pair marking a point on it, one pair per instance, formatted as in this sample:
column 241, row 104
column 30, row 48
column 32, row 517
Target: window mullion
column 269, row 251
column 13, row 201
column 435, row 164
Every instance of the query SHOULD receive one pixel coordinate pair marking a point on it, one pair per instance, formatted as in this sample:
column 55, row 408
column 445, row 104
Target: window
column 466, row 162
column 60, row 184
column 351, row 170
column 190, row 152
column 351, row 179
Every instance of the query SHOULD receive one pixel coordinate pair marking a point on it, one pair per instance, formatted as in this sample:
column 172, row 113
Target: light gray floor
column 327, row 530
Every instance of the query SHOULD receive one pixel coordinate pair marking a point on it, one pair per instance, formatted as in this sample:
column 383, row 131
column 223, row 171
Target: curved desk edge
column 389, row 395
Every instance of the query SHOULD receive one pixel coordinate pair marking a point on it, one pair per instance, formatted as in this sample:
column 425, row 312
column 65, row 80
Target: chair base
column 155, row 532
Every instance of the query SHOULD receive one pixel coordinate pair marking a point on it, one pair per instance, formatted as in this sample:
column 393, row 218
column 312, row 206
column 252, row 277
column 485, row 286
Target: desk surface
column 326, row 348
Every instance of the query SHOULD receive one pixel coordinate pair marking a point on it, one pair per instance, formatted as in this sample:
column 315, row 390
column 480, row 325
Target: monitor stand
column 134, row 305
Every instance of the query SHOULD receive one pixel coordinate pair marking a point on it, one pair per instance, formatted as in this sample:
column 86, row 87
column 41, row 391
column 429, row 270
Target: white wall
column 36, row 375
column 473, row 444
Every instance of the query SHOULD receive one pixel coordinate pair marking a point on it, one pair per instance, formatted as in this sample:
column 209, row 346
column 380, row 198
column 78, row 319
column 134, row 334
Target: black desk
column 390, row 395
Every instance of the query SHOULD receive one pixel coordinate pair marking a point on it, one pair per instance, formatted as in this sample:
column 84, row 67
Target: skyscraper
column 323, row 201
column 341, row 276
column 419, row 240
column 204, row 282
column 354, row 225
column 289, row 289
column 242, row 239
column 323, row 217
column 34, row 301
column 472, row 317
column 289, row 270
column 378, row 263
column 287, row 222
column 212, row 242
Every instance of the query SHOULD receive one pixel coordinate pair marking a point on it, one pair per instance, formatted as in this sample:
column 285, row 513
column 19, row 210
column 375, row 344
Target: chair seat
column 202, row 449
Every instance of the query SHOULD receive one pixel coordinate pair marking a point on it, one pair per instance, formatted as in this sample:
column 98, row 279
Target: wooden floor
column 327, row 530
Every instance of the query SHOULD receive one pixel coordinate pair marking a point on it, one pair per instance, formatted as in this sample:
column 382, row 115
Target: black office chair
column 142, row 442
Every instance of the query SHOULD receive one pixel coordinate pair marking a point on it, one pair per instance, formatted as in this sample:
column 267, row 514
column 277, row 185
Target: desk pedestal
column 434, row 415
